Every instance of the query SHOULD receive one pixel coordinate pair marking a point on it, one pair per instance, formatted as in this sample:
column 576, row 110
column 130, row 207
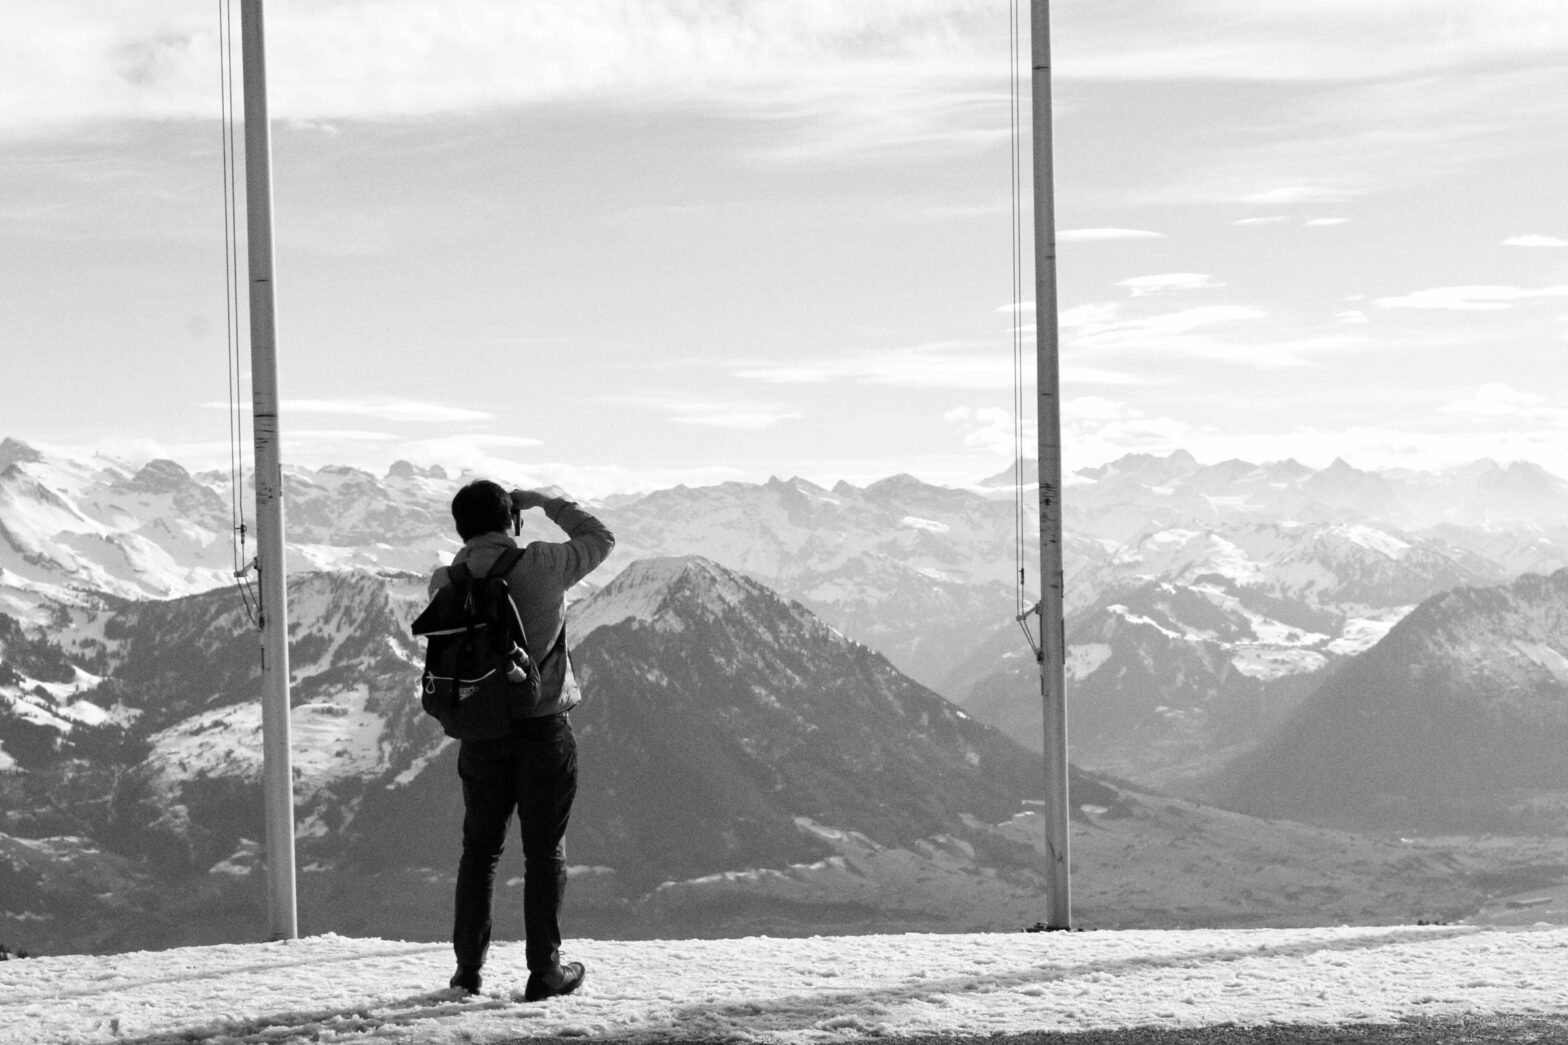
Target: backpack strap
column 498, row 571
column 504, row 564
column 459, row 574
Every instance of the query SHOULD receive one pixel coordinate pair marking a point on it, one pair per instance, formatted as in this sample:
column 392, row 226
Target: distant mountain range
column 765, row 743
column 1130, row 493
column 1203, row 601
column 925, row 574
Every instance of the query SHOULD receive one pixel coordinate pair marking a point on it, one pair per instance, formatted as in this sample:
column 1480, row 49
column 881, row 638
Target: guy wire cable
column 1015, row 114
column 231, row 321
column 1014, row 310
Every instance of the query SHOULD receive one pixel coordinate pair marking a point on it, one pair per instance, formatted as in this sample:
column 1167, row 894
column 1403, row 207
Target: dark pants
column 535, row 773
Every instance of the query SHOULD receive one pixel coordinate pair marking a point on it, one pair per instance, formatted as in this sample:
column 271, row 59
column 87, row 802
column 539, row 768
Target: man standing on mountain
column 533, row 770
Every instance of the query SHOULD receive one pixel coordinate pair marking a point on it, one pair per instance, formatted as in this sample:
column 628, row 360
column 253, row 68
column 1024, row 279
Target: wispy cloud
column 1218, row 333
column 1472, row 298
column 877, row 111
column 300, row 436
column 135, row 451
column 1099, row 235
column 509, row 461
column 995, row 431
column 864, row 67
column 384, row 409
column 1293, row 194
column 481, row 454
column 1343, row 143
column 1076, row 376
column 1535, row 241
column 1106, row 327
column 1306, row 40
column 738, row 420
column 947, row 364
column 732, row 414
column 1097, row 429
column 962, row 212
column 1503, row 403
column 1169, row 283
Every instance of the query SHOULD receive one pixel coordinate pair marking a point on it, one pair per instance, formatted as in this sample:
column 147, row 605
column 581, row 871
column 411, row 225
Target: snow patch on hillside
column 420, row 764
column 332, row 739
column 1376, row 540
column 1263, row 662
column 1269, row 631
column 1085, row 658
column 929, row 525
column 1233, row 502
column 33, row 712
column 1543, row 655
column 1137, row 618
column 1360, row 633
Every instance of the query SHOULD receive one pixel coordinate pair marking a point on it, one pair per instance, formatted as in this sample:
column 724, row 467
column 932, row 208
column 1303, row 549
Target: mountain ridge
column 1276, row 571
column 1451, row 722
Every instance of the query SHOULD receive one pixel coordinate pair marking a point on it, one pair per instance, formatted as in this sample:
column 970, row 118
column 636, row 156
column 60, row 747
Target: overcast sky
column 619, row 246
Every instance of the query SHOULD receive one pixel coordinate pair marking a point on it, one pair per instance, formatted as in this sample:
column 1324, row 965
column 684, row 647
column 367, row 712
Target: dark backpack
column 478, row 675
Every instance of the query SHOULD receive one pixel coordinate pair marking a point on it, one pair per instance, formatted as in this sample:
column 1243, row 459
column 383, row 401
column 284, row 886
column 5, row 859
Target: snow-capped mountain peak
column 160, row 476
column 665, row 592
column 14, row 450
column 637, row 593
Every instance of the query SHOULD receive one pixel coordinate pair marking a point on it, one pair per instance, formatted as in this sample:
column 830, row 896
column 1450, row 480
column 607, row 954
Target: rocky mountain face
column 160, row 702
column 132, row 733
column 803, row 724
column 1456, row 720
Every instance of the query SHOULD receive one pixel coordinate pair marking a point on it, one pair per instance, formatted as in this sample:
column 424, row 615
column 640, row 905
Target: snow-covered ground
column 825, row 989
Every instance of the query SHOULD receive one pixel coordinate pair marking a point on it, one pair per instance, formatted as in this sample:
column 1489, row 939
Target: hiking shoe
column 564, row 979
column 466, row 979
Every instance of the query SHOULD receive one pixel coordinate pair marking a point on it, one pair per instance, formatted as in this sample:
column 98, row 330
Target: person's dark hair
column 481, row 507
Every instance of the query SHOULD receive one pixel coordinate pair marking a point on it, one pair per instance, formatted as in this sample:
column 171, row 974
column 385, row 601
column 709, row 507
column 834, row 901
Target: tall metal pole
column 277, row 767
column 1053, row 692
